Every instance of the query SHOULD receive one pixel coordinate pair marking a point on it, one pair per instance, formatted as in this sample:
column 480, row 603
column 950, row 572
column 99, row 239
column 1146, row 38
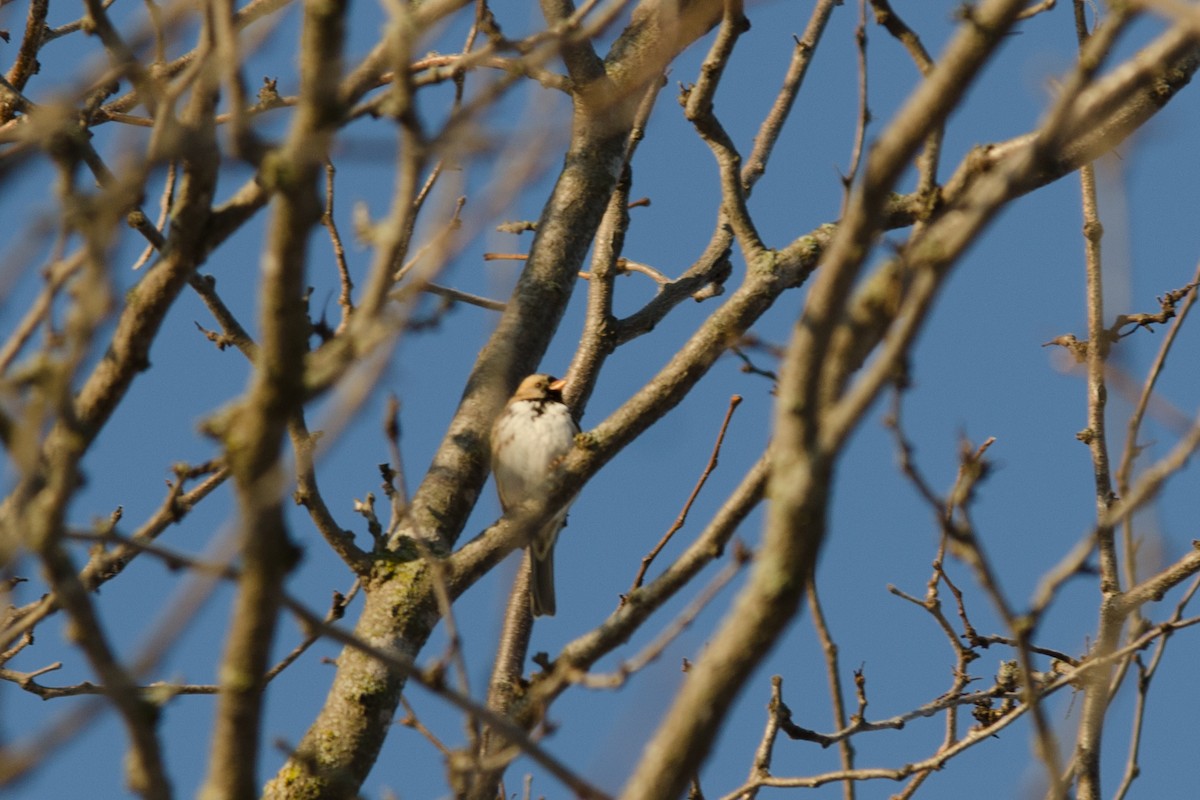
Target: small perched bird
column 529, row 439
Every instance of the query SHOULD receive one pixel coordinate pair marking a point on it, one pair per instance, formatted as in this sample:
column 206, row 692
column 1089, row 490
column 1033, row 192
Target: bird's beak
column 558, row 385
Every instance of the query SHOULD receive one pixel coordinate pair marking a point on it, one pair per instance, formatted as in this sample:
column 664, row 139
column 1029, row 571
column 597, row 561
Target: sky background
column 979, row 370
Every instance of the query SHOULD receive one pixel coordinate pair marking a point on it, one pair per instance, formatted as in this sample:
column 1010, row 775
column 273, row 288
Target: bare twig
column 648, row 559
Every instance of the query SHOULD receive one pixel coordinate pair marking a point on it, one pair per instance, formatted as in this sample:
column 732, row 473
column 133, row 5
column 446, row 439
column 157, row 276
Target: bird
column 529, row 439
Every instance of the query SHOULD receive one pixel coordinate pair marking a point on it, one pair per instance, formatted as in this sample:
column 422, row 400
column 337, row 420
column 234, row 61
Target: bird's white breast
column 529, row 438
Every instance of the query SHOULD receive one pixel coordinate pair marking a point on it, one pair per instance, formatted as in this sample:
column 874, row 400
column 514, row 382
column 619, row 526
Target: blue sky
column 979, row 370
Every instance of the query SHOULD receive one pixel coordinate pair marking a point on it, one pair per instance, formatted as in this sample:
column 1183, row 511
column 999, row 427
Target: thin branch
column 864, row 110
column 648, row 559
column 833, row 676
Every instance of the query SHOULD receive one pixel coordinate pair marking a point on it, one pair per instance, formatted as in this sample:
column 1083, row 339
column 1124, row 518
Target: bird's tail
column 541, row 580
